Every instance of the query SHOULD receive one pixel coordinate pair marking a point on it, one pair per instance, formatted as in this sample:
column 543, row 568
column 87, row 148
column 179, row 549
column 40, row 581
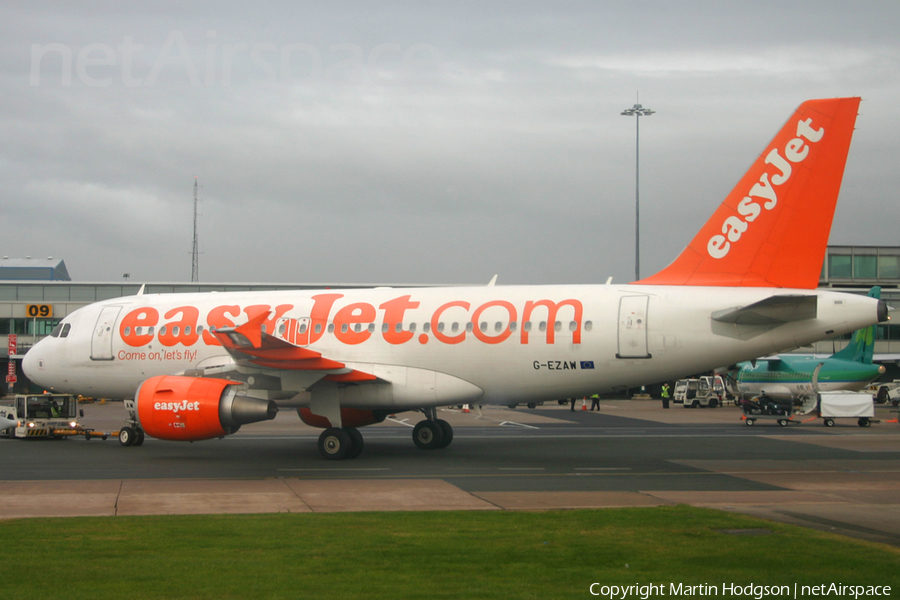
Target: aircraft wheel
column 863, row 422
column 356, row 442
column 750, row 422
column 126, row 436
column 829, row 422
column 138, row 437
column 334, row 443
column 446, row 433
column 782, row 422
column 428, row 435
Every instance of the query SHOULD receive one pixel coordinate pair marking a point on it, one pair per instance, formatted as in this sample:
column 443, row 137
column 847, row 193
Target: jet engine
column 172, row 407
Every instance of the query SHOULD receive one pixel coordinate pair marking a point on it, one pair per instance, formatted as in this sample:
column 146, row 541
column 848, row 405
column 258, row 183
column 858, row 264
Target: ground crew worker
column 595, row 402
column 665, row 395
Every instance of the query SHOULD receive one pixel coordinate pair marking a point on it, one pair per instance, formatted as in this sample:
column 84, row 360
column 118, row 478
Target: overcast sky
column 417, row 142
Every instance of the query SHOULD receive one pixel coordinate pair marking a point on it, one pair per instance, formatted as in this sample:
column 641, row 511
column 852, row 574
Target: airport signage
column 12, row 347
column 39, row 310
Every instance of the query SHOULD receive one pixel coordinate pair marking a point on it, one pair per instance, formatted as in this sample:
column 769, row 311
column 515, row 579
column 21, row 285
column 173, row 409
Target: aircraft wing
column 250, row 346
column 773, row 310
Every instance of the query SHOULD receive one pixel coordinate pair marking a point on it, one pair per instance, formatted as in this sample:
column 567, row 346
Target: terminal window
column 840, row 266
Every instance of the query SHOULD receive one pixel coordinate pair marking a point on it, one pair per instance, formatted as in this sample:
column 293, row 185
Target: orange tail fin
column 772, row 229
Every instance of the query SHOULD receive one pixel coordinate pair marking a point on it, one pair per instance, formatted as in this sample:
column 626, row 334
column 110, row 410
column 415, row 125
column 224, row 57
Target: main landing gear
column 432, row 433
column 339, row 443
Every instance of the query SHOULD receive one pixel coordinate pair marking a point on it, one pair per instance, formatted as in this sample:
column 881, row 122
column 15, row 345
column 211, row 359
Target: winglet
column 252, row 329
column 772, row 229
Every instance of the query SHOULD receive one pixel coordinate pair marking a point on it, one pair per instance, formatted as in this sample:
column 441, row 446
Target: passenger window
column 498, row 326
column 412, row 327
column 557, row 326
column 512, row 326
column 371, row 328
column 528, row 326
column 331, row 328
column 543, row 326
column 588, row 325
column 125, row 332
column 455, row 327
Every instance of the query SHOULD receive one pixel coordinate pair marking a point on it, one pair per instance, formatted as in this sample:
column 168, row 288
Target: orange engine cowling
column 171, row 407
column 351, row 417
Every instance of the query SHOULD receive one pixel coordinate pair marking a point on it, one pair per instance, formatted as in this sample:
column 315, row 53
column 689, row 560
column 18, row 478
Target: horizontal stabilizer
column 771, row 311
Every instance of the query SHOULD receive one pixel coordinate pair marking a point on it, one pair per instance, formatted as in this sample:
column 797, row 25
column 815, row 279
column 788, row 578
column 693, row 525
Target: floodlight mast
column 195, row 252
column 637, row 111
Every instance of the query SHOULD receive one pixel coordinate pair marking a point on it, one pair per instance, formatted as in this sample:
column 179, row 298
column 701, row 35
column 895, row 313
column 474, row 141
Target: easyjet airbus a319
column 198, row 366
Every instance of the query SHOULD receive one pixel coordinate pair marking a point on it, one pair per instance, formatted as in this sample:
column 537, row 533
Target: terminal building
column 36, row 294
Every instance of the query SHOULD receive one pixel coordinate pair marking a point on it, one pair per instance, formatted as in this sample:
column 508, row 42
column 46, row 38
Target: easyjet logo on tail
column 763, row 194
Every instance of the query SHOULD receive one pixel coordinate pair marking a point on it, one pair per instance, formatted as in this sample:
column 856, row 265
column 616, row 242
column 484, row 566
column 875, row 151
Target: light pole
column 637, row 111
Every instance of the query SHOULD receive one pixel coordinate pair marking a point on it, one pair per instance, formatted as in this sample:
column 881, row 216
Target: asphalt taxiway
column 844, row 479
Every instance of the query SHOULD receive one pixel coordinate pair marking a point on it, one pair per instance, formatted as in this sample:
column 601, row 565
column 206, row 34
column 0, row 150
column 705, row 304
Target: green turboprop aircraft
column 788, row 377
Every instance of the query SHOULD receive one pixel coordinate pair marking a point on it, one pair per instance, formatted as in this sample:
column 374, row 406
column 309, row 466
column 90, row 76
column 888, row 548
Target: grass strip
column 547, row 554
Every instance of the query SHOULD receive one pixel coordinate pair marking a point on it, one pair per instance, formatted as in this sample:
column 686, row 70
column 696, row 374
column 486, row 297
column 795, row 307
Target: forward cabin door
column 633, row 327
column 102, row 341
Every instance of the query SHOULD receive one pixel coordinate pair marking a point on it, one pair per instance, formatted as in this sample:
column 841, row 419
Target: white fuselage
column 513, row 343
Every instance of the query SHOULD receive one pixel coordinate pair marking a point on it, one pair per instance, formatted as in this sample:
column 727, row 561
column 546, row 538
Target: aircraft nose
column 31, row 363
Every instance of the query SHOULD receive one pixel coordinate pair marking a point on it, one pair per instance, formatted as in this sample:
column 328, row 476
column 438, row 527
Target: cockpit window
column 61, row 330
